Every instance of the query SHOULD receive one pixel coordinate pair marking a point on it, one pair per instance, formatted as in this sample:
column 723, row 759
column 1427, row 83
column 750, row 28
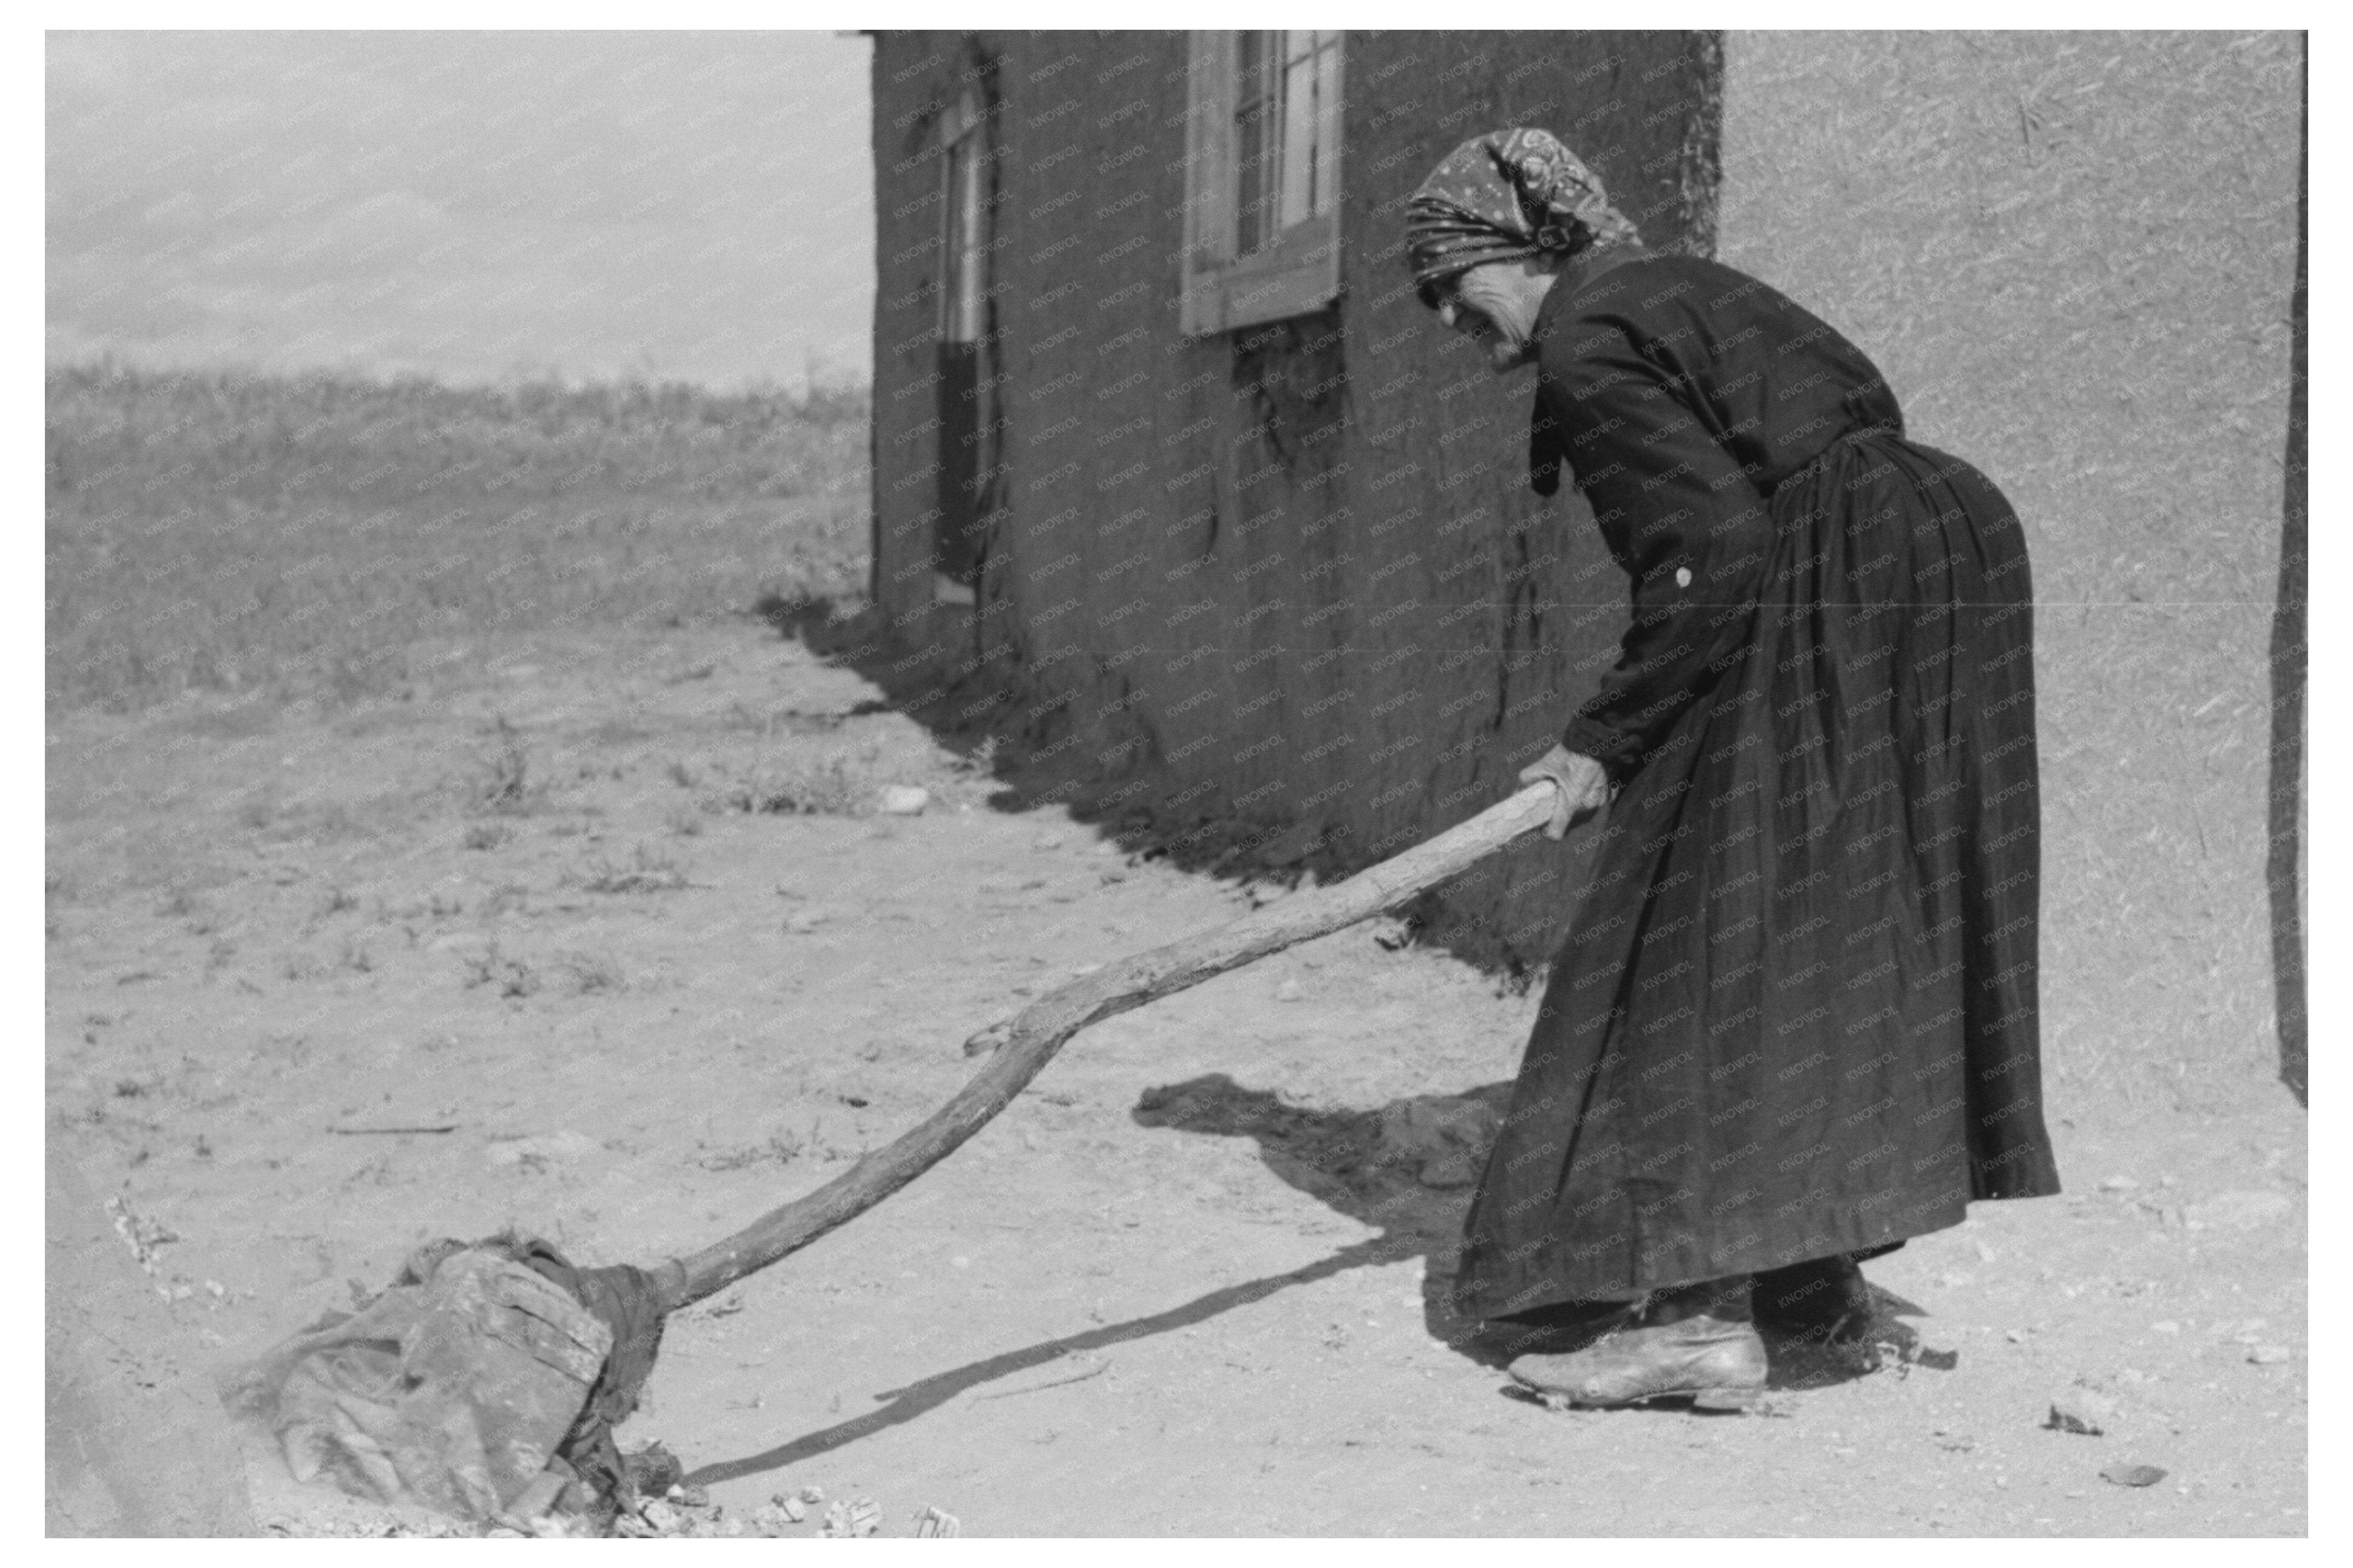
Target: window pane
column 1286, row 130
column 1327, row 122
column 965, row 255
column 951, row 239
column 1298, row 187
column 1256, row 130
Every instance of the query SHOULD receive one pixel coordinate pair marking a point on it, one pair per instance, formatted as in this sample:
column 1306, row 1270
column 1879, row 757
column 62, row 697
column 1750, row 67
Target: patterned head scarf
column 1503, row 195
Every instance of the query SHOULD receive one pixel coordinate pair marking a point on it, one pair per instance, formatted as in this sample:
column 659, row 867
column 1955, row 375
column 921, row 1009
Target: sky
column 479, row 206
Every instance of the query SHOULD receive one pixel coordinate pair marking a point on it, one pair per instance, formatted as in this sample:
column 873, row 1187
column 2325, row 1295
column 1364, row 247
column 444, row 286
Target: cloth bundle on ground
column 483, row 1368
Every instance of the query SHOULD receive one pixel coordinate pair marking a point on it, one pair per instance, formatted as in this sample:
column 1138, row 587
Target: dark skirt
column 1795, row 1015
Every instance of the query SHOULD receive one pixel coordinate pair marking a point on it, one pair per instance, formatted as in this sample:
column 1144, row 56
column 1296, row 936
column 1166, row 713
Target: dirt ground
column 551, row 910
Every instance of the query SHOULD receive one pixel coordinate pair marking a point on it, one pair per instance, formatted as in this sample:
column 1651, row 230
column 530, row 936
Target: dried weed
column 648, row 871
column 511, row 977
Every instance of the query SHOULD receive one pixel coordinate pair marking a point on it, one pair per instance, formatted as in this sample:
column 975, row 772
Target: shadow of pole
column 2284, row 864
column 1372, row 1166
column 928, row 1395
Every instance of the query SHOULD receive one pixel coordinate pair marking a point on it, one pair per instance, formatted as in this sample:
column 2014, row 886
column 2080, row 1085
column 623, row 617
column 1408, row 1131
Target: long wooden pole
column 1024, row 1044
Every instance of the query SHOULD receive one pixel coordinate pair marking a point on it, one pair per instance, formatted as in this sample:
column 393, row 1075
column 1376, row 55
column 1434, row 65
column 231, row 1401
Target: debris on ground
column 2081, row 1409
column 2124, row 1475
column 938, row 1524
column 688, row 1512
column 905, row 799
column 779, row 1514
column 653, row 1470
column 1893, row 1347
column 853, row 1518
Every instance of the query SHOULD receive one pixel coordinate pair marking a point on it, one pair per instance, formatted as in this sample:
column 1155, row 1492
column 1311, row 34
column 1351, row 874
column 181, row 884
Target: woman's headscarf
column 1498, row 197
column 1502, row 196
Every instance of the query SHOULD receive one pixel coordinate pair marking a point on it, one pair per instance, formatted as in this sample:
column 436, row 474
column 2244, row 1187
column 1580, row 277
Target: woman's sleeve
column 1682, row 518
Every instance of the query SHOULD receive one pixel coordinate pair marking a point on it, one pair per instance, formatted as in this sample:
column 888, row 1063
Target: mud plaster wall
column 2073, row 256
column 1480, row 614
column 1292, row 575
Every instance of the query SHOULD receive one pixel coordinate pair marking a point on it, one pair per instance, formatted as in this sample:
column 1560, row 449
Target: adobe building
column 1169, row 453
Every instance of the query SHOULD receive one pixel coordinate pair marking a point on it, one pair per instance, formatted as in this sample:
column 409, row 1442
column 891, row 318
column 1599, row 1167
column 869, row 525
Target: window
column 1262, row 161
column 961, row 175
column 969, row 432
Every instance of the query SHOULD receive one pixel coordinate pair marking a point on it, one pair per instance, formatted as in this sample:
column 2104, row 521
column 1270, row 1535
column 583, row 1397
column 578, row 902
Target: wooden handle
column 1024, row 1044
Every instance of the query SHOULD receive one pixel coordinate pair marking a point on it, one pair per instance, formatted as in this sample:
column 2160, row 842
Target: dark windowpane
column 961, row 287
column 1254, row 127
column 1296, row 190
column 1327, row 122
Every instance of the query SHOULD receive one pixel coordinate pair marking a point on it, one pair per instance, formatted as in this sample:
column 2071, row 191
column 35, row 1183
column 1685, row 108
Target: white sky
column 469, row 205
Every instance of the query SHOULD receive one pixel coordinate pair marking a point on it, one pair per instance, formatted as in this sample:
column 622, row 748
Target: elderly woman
column 1793, row 1021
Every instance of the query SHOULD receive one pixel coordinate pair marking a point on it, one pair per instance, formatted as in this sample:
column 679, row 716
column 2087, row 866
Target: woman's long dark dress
column 1795, row 1015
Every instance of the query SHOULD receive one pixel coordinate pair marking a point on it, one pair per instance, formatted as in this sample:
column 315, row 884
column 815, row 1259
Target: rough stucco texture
column 2072, row 254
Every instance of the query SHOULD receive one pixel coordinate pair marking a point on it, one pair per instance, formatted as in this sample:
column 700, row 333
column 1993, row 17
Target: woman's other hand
column 1584, row 786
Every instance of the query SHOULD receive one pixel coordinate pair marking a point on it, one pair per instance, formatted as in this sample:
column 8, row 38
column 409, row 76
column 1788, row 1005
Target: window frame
column 962, row 152
column 1295, row 274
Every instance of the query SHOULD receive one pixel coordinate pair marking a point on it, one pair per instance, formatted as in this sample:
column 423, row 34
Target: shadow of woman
column 1406, row 1170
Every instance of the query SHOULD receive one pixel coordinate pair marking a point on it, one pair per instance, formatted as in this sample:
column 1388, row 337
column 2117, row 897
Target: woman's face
column 1495, row 305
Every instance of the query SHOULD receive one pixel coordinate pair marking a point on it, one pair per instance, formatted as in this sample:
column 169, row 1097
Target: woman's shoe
column 1824, row 1299
column 1718, row 1365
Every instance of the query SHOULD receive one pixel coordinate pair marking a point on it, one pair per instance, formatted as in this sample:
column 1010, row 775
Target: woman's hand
column 1584, row 786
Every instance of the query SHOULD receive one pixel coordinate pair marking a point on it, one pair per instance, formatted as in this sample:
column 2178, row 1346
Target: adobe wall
column 1292, row 576
column 2072, row 255
column 1483, row 614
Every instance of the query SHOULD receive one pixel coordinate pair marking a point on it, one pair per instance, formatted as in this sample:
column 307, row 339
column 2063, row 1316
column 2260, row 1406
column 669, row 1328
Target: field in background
column 305, row 537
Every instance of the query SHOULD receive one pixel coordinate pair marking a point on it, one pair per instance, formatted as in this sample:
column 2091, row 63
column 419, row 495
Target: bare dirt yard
column 557, row 911
column 365, row 930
